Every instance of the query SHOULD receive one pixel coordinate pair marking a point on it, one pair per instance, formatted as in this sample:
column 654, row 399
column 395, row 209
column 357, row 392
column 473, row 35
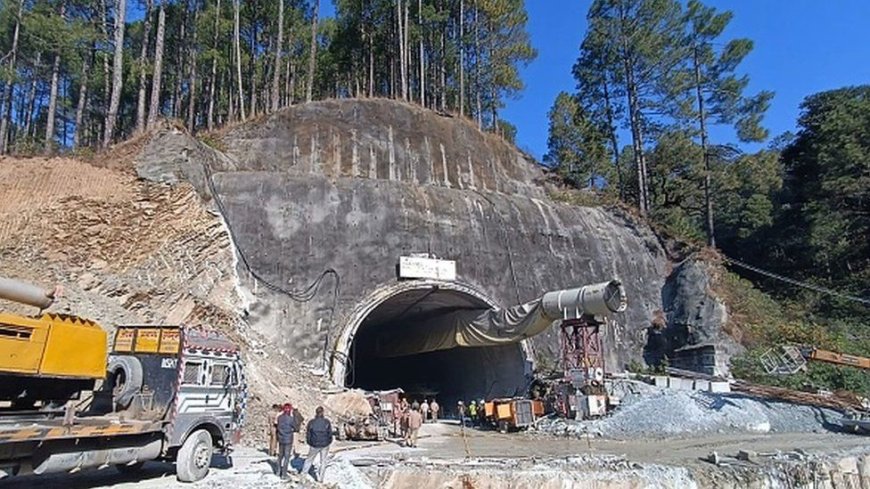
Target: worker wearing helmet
column 460, row 410
column 472, row 412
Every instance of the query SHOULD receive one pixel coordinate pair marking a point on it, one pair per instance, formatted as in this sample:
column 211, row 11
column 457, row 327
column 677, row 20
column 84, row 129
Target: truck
column 161, row 392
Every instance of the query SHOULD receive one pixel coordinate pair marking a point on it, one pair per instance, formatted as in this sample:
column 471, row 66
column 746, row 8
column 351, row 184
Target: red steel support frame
column 582, row 348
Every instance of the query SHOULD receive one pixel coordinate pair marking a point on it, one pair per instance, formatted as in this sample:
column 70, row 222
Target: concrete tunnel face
column 447, row 375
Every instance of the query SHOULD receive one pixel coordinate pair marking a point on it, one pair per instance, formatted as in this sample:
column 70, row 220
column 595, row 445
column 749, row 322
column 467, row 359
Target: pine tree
column 718, row 90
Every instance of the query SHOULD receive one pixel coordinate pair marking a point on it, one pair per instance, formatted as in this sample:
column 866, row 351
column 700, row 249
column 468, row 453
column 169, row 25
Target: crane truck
column 70, row 401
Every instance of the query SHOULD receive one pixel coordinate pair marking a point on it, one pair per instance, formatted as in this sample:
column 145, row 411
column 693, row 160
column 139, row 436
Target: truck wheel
column 130, row 469
column 194, row 457
column 126, row 377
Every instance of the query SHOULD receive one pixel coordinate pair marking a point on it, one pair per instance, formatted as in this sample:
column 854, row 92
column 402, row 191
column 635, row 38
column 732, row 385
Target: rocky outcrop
column 350, row 186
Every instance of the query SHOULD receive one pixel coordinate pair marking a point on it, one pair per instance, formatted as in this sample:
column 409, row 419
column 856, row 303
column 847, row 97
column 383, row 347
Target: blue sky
column 801, row 47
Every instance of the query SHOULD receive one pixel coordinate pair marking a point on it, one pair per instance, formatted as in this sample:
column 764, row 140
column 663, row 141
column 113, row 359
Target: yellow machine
column 48, row 357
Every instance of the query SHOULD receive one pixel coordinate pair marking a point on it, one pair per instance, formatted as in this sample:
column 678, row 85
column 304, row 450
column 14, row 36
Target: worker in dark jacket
column 285, row 427
column 318, row 437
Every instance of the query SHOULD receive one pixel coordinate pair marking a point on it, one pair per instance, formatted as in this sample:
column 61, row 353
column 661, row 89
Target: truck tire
column 194, row 457
column 126, row 377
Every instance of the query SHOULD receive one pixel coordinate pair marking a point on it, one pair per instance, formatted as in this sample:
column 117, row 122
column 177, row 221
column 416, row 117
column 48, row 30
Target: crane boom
column 837, row 358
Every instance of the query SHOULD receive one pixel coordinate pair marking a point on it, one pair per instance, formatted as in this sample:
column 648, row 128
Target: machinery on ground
column 512, row 414
column 791, row 359
column 164, row 392
column 381, row 423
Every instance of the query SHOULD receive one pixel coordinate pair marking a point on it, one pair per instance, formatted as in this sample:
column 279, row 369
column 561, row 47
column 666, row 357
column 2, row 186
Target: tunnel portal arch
column 508, row 368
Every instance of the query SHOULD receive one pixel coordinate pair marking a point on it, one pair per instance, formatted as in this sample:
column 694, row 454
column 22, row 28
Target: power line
column 817, row 288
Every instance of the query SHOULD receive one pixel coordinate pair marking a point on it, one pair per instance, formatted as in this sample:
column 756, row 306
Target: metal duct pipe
column 24, row 293
column 602, row 299
column 82, row 459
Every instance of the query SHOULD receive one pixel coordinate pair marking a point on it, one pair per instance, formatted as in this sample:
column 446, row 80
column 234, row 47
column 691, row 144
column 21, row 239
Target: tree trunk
column 238, row 48
column 52, row 105
column 408, row 87
column 191, row 84
column 276, row 78
column 181, row 68
column 10, row 79
column 143, row 76
column 402, row 66
column 477, row 83
column 422, row 58
column 614, row 141
column 157, row 77
column 117, row 72
column 213, row 80
column 702, row 123
column 107, row 80
column 80, row 108
column 31, row 96
column 462, row 57
column 252, row 72
column 371, row 65
column 312, row 59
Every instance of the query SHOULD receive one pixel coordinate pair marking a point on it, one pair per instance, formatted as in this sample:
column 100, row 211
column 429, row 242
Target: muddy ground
column 448, row 458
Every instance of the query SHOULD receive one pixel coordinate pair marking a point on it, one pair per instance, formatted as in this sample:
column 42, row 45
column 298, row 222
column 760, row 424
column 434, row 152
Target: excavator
column 787, row 360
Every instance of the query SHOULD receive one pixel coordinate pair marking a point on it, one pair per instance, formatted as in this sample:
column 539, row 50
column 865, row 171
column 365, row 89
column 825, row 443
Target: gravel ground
column 649, row 412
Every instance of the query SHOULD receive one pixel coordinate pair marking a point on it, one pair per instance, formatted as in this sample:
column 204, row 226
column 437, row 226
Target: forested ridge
column 653, row 77
column 76, row 74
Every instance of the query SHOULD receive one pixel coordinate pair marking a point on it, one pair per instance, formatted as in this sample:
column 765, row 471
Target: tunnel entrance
column 447, row 375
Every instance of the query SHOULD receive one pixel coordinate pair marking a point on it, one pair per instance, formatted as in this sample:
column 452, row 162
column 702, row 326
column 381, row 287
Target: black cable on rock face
column 303, row 295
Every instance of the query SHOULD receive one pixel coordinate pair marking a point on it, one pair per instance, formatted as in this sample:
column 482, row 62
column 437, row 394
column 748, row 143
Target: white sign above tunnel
column 420, row 267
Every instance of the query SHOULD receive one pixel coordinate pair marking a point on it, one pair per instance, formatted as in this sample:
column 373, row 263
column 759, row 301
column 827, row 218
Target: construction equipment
column 494, row 326
column 165, row 392
column 376, row 425
column 791, row 359
column 49, row 358
column 512, row 414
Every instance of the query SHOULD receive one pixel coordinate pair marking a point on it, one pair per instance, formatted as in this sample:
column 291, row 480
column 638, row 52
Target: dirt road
column 252, row 468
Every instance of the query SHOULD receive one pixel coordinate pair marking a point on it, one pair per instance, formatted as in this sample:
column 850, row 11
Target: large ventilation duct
column 24, row 293
column 492, row 327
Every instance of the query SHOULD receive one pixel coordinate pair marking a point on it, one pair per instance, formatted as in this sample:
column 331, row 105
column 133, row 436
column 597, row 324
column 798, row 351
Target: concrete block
column 677, row 383
column 720, row 387
column 701, row 385
column 660, row 381
column 747, row 456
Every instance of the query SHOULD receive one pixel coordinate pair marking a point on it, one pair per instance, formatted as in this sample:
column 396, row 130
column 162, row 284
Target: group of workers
column 284, row 424
column 474, row 413
column 411, row 417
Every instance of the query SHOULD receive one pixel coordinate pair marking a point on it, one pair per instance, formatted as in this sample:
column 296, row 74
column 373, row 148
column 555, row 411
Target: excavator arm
column 835, row 358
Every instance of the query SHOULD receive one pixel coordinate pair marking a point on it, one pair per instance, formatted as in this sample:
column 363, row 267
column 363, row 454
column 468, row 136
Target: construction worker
column 319, row 437
column 415, row 421
column 472, row 412
column 460, row 410
column 273, row 426
column 404, row 407
column 415, row 405
column 424, row 410
column 285, row 429
column 433, row 408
